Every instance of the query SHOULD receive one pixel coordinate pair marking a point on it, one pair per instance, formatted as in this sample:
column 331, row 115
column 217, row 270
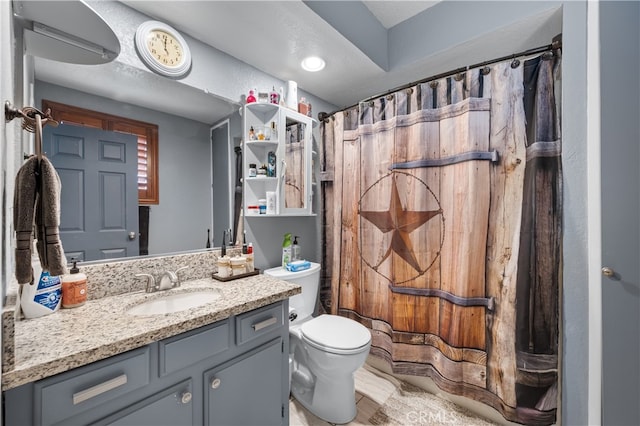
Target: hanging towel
column 37, row 200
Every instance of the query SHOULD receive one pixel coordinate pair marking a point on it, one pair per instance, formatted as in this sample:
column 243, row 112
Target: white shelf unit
column 292, row 146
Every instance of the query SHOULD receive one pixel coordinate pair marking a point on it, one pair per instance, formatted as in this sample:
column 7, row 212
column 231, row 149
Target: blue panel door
column 620, row 178
column 99, row 199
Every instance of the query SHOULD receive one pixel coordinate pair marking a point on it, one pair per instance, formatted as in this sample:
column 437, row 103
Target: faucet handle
column 151, row 282
column 178, row 281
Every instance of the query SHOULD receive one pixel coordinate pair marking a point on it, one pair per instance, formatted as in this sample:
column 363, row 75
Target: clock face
column 163, row 49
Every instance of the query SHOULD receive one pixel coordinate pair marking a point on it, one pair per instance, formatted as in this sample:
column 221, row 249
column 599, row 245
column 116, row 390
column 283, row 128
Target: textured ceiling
column 370, row 47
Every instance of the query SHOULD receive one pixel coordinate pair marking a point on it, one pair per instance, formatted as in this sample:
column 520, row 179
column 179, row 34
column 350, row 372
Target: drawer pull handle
column 263, row 324
column 99, row 389
column 215, row 383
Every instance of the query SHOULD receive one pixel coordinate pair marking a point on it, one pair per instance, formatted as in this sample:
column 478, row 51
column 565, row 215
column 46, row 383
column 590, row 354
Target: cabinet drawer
column 84, row 388
column 182, row 351
column 259, row 322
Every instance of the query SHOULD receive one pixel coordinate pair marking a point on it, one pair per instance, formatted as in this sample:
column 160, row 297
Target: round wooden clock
column 162, row 49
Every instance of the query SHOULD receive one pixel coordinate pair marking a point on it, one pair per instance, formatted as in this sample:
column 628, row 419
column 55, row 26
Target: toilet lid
column 332, row 331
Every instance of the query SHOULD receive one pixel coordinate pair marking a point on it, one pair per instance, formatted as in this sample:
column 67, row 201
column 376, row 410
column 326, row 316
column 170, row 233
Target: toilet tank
column 309, row 280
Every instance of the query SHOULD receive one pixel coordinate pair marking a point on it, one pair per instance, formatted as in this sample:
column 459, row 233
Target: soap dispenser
column 74, row 288
column 295, row 250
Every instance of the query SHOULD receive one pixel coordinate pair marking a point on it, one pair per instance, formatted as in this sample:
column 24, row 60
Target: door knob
column 608, row 272
column 215, row 383
column 132, row 235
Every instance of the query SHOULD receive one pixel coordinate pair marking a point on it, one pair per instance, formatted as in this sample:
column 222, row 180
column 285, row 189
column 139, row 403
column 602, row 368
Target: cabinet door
column 248, row 389
column 295, row 152
column 171, row 407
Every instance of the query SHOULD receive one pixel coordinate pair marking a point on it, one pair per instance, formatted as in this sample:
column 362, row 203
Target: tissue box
column 298, row 265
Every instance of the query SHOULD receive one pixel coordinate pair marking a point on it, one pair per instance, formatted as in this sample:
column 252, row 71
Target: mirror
column 294, row 192
column 195, row 168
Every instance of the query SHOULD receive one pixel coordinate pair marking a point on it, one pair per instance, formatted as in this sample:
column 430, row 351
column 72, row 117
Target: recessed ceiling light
column 312, row 63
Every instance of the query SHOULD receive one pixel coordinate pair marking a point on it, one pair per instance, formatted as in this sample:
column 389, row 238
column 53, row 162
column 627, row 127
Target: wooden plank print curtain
column 442, row 213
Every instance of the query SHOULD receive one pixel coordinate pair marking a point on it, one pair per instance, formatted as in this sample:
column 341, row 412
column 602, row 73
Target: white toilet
column 324, row 351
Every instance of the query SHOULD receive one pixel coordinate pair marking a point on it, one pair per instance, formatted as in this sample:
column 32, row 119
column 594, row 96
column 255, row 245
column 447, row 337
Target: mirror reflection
column 195, row 171
column 294, row 191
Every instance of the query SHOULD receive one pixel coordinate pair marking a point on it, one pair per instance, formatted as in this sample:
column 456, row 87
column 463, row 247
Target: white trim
column 594, row 217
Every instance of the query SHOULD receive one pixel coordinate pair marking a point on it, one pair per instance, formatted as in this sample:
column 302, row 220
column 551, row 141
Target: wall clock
column 162, row 49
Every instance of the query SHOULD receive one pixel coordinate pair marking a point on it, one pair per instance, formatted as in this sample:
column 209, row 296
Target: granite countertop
column 101, row 328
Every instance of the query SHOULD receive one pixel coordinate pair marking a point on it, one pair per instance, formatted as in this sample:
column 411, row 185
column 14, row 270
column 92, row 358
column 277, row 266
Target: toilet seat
column 335, row 334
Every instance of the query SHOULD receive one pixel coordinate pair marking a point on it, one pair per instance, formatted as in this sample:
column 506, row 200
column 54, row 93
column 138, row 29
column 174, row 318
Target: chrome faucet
column 167, row 281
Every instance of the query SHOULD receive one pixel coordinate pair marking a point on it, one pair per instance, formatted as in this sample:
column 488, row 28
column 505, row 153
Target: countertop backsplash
column 113, row 278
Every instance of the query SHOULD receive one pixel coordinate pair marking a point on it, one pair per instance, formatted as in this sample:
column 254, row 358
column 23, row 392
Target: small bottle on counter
column 43, row 296
column 253, row 170
column 74, row 288
column 249, row 256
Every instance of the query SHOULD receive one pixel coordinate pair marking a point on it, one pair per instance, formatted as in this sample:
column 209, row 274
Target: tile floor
column 373, row 387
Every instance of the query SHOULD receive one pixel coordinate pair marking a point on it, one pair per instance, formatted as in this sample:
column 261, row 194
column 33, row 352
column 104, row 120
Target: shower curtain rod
column 556, row 43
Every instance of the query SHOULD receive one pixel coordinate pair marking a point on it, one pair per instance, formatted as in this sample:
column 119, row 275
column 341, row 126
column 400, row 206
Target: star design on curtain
column 402, row 223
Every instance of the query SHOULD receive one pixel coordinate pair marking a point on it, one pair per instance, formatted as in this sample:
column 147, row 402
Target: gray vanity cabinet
column 234, row 371
column 241, row 392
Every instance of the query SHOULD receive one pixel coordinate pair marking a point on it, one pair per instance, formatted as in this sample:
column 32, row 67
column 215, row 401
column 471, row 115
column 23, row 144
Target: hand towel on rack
column 24, row 200
column 37, row 199
column 50, row 248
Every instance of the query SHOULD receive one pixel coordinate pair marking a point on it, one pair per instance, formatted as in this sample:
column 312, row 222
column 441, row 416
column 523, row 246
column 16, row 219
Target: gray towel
column 37, row 200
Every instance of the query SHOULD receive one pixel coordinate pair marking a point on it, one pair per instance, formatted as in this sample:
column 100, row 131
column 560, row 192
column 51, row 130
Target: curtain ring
column 389, row 97
column 485, row 71
column 346, row 113
column 547, row 56
column 434, row 84
column 458, row 76
column 371, row 103
column 515, row 63
column 409, row 90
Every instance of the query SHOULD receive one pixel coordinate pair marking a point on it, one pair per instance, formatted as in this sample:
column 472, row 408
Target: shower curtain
column 442, row 213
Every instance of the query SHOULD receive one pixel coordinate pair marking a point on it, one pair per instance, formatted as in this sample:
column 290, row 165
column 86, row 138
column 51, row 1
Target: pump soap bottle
column 295, row 250
column 74, row 288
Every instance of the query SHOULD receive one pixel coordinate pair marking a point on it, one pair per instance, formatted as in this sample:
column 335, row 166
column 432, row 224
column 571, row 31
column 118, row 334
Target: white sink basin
column 175, row 302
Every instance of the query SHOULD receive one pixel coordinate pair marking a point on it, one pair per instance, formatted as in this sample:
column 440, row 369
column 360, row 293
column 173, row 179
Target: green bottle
column 286, row 249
